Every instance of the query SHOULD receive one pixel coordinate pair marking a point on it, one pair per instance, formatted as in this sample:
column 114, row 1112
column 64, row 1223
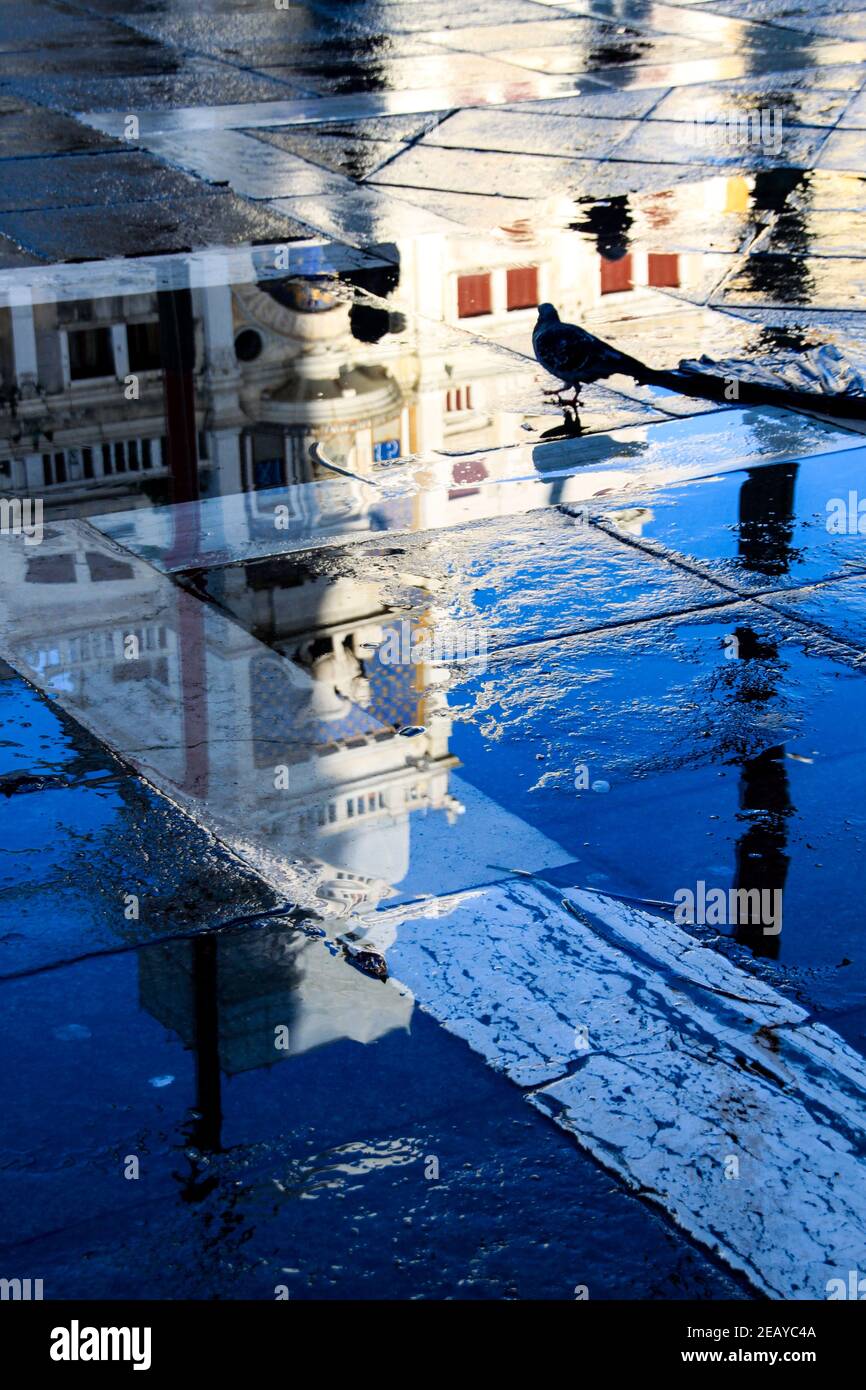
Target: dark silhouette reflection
column 205, row 1129
column 765, row 805
column 762, row 863
column 224, row 996
column 177, row 354
column 258, row 995
column 766, row 520
column 609, row 220
column 368, row 323
column 786, row 278
column 761, row 56
column 594, row 450
column 619, row 49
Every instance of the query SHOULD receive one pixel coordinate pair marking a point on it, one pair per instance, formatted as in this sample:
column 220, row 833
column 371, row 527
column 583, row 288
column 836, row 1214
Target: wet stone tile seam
column 772, row 598
column 284, row 912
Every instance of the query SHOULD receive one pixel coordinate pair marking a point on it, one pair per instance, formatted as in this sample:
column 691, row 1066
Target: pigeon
column 577, row 357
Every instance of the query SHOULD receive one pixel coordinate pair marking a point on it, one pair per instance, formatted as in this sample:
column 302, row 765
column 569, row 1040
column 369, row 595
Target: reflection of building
column 87, row 422
column 293, row 748
column 356, row 817
column 266, row 979
column 250, row 998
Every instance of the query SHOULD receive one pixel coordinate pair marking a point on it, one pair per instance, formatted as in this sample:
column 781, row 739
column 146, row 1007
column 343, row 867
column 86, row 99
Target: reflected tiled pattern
column 391, row 734
column 566, row 95
column 350, row 688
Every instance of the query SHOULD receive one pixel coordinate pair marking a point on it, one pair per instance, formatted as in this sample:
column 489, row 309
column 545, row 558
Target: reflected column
column 766, row 525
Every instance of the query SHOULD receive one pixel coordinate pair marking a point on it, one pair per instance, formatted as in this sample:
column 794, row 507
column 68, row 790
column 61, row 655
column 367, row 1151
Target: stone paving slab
column 829, row 282
column 190, row 81
column 310, row 1165
column 829, row 235
column 492, row 172
column 342, row 153
column 201, row 219
column 366, row 217
column 841, row 610
column 758, row 530
column 673, row 142
column 530, row 133
column 800, row 104
column 93, row 860
column 27, row 130
column 669, row 1060
column 249, row 166
column 120, row 55
column 844, row 150
column 90, row 180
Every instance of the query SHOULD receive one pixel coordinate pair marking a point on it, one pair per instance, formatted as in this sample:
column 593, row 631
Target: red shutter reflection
column 473, row 295
column 615, row 275
column 523, row 287
column 663, row 271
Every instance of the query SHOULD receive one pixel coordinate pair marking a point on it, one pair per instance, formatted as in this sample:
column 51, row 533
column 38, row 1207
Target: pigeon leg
column 555, row 393
column 570, row 410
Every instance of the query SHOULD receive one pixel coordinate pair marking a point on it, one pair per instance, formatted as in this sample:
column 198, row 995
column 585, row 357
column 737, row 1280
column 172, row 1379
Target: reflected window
column 663, row 271
column 91, row 353
column 474, row 295
column 54, row 466
column 50, row 569
column 268, row 472
column 128, row 455
column 615, row 275
column 268, row 458
column 143, row 346
column 102, row 567
column 248, row 345
column 458, row 398
column 523, row 287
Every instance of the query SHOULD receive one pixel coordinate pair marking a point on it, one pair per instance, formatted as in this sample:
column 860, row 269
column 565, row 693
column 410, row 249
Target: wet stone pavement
column 432, row 824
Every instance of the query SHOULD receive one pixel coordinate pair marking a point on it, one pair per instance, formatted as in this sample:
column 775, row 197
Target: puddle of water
column 842, row 612
column 274, row 712
column 360, row 609
column 771, row 528
column 221, row 375
column 207, row 413
column 342, row 1201
column 93, row 860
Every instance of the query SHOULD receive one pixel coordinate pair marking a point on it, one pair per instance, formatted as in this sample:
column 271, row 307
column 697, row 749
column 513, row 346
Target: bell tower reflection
column 766, row 526
column 766, row 519
column 206, row 1126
